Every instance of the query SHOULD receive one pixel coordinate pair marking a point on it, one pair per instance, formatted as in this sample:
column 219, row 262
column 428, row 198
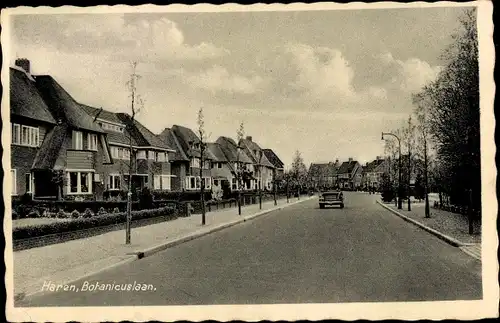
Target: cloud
column 114, row 35
column 218, row 78
column 322, row 71
column 410, row 75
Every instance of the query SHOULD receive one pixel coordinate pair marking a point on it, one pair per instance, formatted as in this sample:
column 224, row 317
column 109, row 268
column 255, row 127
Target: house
column 262, row 167
column 349, row 175
column 323, row 175
column 372, row 173
column 279, row 166
column 239, row 161
column 222, row 170
column 179, row 161
column 147, row 163
column 56, row 147
column 30, row 121
column 191, row 146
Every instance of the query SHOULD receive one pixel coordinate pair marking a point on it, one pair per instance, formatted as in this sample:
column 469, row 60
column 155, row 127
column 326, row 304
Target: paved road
column 303, row 254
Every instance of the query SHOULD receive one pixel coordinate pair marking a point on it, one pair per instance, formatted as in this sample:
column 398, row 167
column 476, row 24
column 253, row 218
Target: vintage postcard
column 260, row 162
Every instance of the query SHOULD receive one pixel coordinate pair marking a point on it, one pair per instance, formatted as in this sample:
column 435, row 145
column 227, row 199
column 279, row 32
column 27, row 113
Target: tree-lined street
column 362, row 253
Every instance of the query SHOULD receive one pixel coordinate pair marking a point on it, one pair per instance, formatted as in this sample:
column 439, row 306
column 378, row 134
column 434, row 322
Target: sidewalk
column 65, row 262
column 446, row 225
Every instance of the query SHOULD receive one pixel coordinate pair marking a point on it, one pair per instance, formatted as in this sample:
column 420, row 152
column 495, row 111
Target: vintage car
column 331, row 198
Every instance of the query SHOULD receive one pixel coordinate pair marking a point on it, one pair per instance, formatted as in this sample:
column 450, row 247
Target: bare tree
column 409, row 142
column 424, row 134
column 136, row 106
column 299, row 171
column 202, row 135
column 240, row 133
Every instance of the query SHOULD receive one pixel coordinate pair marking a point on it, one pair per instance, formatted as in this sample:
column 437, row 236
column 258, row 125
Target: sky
column 325, row 83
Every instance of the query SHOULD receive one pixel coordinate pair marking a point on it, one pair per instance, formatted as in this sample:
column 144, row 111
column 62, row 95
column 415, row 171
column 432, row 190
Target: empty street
column 301, row 254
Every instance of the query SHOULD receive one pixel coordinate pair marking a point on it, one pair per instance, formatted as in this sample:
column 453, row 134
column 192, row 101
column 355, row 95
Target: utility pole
column 239, row 137
column 274, row 187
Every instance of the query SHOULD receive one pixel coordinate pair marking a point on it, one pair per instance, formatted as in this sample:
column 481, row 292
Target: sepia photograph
column 277, row 162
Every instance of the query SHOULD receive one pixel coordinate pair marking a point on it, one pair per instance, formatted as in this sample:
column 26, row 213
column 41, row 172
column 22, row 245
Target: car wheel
column 321, row 206
column 341, row 206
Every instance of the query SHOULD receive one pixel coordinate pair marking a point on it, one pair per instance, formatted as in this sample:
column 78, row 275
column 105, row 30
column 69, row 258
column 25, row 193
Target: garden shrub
column 116, row 210
column 87, row 223
column 34, row 213
column 102, row 211
column 88, row 213
column 61, row 214
column 75, row 214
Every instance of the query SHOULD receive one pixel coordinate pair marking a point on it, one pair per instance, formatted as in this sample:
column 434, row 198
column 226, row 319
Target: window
column 160, row 157
column 208, row 182
column 195, row 162
column 24, row 135
column 206, row 164
column 79, row 182
column 219, row 165
column 234, row 185
column 77, row 140
column 16, row 133
column 165, row 182
column 120, row 153
column 92, row 141
column 216, row 182
column 141, row 154
column 151, row 155
column 114, row 182
column 28, row 183
column 13, row 182
column 192, row 182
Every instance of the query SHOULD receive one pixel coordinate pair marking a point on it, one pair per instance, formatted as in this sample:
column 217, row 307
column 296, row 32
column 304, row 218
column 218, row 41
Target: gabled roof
column 63, row 107
column 48, row 152
column 25, row 100
column 230, row 150
column 372, row 166
column 186, row 137
column 113, row 136
column 250, row 146
column 142, row 135
column 347, row 167
column 273, row 158
column 167, row 136
column 217, row 152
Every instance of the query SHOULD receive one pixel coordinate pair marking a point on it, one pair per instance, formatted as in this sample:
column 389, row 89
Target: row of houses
column 349, row 175
column 61, row 148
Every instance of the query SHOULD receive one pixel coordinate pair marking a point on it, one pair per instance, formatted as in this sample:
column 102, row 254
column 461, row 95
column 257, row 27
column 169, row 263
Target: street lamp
column 400, row 202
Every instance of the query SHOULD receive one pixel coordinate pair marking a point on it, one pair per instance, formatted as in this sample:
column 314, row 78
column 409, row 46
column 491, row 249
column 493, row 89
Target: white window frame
column 234, row 183
column 166, row 182
column 195, row 162
column 13, row 181
column 151, row 155
column 208, row 182
column 111, row 182
column 78, row 182
column 78, row 139
column 160, row 157
column 141, row 154
column 29, row 182
column 32, row 133
column 92, row 141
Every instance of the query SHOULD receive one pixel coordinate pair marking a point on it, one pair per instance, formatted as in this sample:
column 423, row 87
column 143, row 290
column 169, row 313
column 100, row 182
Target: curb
column 442, row 236
column 201, row 233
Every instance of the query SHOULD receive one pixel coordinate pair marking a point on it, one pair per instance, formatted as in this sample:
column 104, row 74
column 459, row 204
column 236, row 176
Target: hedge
column 87, row 223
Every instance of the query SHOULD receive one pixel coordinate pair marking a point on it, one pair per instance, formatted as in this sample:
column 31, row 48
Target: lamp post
column 400, row 202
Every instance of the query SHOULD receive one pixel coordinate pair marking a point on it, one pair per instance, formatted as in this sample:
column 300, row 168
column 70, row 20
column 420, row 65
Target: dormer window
column 77, row 140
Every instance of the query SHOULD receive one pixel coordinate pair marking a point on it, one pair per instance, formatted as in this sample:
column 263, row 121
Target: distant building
column 350, row 175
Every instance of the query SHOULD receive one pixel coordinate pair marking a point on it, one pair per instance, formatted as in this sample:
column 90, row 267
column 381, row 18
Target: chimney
column 350, row 159
column 249, row 138
column 24, row 64
column 378, row 157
